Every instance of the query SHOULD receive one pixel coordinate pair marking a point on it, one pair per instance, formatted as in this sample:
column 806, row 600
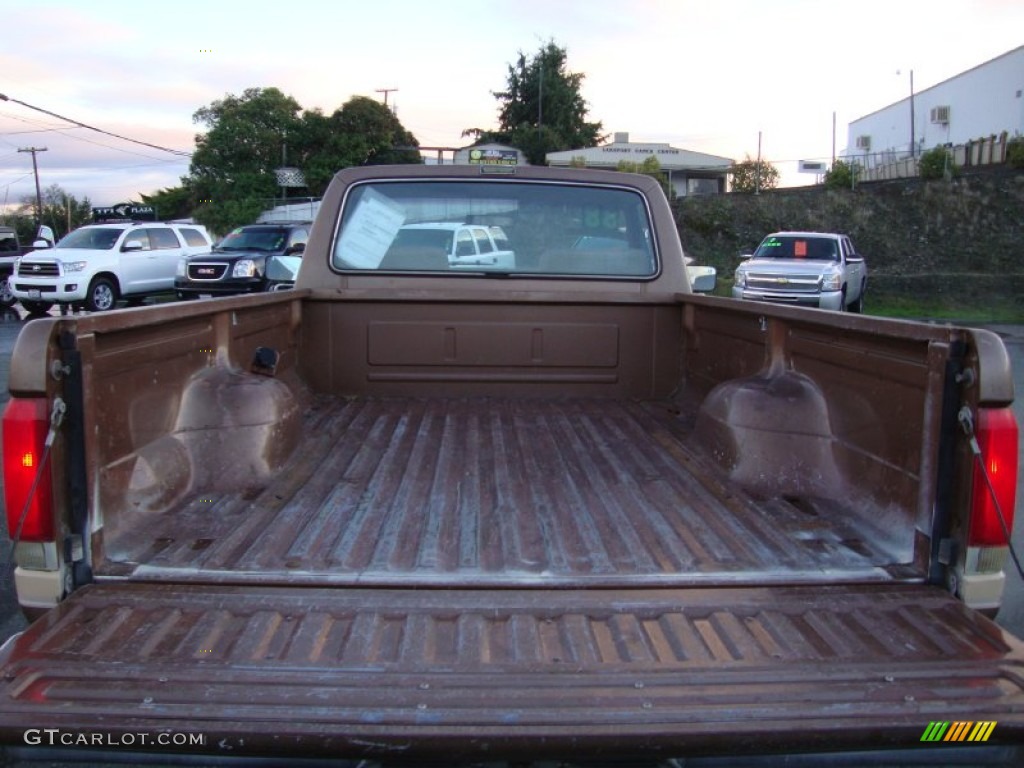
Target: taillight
column 25, row 426
column 996, row 431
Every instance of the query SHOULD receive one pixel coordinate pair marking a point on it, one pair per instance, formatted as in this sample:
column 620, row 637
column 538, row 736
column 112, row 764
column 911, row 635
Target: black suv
column 258, row 257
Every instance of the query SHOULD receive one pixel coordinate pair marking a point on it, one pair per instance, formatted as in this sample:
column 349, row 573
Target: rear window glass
column 193, row 237
column 163, row 239
column 536, row 229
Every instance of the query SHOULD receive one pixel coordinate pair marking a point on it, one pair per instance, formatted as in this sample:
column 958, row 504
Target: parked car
column 814, row 269
column 10, row 251
column 98, row 264
column 251, row 259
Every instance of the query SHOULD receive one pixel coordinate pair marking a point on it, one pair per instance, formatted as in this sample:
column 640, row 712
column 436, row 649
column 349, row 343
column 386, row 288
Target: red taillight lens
column 25, row 425
column 996, row 431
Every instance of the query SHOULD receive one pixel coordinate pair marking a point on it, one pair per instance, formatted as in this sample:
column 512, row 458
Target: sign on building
column 813, row 166
column 493, row 157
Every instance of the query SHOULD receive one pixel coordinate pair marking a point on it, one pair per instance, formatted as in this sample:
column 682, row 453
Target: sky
column 707, row 76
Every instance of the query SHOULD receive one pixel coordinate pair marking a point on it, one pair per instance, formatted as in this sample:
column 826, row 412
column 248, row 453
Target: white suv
column 97, row 264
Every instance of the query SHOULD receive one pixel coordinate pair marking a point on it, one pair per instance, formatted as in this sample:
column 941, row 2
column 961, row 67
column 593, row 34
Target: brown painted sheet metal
column 492, row 672
column 500, row 492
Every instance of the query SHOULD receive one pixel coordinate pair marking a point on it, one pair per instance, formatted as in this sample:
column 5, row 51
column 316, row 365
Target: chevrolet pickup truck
column 567, row 511
column 809, row 269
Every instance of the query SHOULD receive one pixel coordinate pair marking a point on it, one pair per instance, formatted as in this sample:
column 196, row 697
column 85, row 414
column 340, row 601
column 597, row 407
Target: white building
column 981, row 102
column 689, row 173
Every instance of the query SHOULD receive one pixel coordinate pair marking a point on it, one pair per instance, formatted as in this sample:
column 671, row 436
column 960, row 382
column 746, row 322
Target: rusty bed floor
column 492, row 492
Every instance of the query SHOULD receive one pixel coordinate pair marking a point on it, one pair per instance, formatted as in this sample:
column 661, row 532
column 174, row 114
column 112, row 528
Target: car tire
column 7, row 297
column 858, row 305
column 102, row 295
column 36, row 307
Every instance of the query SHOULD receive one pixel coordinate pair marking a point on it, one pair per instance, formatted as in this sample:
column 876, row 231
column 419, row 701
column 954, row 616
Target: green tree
column 61, row 211
column 172, row 202
column 649, row 167
column 842, row 175
column 232, row 172
column 754, row 176
column 542, row 109
column 232, row 169
column 360, row 132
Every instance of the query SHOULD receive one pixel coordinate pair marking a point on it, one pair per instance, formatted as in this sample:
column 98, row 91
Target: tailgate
column 488, row 673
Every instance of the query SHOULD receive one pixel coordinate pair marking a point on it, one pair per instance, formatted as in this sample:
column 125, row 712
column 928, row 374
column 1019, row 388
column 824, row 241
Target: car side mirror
column 132, row 245
column 854, row 259
column 41, row 244
column 702, row 279
column 46, row 233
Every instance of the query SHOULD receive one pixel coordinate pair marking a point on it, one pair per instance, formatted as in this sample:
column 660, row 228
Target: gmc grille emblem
column 206, row 271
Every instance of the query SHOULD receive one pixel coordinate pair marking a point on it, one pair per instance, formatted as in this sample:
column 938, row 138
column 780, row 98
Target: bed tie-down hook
column 966, row 419
column 59, row 370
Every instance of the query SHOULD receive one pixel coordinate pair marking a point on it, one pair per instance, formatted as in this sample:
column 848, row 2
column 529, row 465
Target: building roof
column 669, row 157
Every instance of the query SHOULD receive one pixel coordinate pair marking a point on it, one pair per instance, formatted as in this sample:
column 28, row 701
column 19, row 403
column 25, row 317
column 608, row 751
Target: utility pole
column 386, row 91
column 540, row 96
column 913, row 143
column 757, row 168
column 35, row 170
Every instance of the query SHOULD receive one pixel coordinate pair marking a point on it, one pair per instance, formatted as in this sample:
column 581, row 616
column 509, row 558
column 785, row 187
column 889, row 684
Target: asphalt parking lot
column 1011, row 616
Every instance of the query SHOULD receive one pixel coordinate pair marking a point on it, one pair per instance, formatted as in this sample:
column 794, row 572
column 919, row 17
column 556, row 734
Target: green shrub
column 937, row 163
column 1015, row 152
column 841, row 175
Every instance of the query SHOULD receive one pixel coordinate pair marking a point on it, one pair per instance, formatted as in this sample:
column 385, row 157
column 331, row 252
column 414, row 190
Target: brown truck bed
column 492, row 491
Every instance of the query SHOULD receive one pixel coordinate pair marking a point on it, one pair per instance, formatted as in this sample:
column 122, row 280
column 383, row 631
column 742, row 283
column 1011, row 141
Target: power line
column 4, row 97
column 17, row 180
column 63, row 131
column 115, row 149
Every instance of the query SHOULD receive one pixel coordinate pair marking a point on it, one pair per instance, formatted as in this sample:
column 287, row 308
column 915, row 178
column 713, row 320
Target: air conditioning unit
column 864, row 142
column 940, row 115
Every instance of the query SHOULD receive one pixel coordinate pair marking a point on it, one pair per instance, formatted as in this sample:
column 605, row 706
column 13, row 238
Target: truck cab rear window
column 473, row 227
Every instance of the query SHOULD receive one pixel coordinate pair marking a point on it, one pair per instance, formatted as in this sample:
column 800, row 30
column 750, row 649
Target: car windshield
column 93, row 238
column 798, row 247
column 466, row 227
column 243, row 239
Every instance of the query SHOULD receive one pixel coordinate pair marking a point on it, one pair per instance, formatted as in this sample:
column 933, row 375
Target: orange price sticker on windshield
column 800, row 248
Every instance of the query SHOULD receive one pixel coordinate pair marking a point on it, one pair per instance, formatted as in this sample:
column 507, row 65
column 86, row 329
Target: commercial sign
column 122, row 211
column 493, row 157
column 813, row 166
